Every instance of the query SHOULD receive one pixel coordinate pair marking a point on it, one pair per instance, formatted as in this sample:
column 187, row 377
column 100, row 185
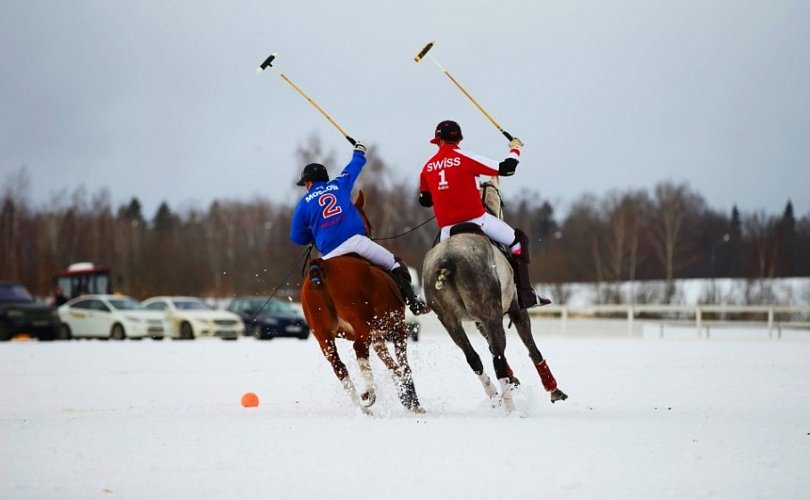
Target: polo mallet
column 422, row 53
column 268, row 63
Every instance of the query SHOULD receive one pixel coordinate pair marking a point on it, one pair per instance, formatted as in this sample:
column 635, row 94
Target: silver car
column 190, row 317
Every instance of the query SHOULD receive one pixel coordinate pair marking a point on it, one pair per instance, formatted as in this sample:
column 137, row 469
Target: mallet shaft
column 268, row 64
column 324, row 113
column 424, row 52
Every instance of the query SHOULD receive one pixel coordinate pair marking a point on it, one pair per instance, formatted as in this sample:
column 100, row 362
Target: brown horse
column 348, row 297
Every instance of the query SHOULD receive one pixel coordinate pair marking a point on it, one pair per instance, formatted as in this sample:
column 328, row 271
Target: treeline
column 243, row 247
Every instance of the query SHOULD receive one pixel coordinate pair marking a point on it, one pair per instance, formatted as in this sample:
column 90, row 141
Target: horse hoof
column 558, row 395
column 367, row 399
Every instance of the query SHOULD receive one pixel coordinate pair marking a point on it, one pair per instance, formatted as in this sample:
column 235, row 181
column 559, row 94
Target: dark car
column 20, row 314
column 268, row 319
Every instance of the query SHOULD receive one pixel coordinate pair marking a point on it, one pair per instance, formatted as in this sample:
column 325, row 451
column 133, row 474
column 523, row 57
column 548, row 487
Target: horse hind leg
column 506, row 370
column 460, row 338
column 329, row 351
column 496, row 337
column 522, row 323
column 369, row 396
column 549, row 382
column 361, row 348
column 405, row 384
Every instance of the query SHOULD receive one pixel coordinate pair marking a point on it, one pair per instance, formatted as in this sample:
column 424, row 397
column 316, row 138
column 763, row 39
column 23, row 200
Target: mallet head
column 424, row 51
column 267, row 63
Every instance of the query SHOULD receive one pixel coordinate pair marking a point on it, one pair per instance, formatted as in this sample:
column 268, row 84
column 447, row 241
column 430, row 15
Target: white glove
column 515, row 143
column 359, row 146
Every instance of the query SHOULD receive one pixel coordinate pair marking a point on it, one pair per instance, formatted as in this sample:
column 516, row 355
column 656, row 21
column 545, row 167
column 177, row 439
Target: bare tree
column 761, row 231
column 673, row 209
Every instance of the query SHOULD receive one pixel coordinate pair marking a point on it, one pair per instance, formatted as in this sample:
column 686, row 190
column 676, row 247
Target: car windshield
column 125, row 304
column 14, row 293
column 272, row 307
column 190, row 305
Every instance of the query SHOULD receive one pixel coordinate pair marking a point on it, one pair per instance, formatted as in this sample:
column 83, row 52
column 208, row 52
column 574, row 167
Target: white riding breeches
column 492, row 226
column 363, row 246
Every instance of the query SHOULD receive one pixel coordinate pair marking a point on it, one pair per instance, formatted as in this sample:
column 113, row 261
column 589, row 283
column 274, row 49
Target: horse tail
column 444, row 269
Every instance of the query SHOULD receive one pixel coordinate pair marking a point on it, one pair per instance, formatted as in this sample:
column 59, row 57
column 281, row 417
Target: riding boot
column 402, row 277
column 526, row 295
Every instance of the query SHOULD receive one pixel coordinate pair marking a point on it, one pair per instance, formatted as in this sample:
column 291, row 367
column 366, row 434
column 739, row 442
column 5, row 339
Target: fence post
column 564, row 320
column 770, row 322
column 699, row 320
column 630, row 317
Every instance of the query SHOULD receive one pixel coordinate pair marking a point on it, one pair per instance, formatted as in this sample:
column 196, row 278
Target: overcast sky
column 160, row 99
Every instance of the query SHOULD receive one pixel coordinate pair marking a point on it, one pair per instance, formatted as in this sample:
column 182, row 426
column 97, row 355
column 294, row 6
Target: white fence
column 701, row 317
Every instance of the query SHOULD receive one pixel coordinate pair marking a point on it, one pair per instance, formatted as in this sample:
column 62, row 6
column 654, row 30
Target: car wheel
column 117, row 332
column 65, row 333
column 4, row 334
column 186, row 332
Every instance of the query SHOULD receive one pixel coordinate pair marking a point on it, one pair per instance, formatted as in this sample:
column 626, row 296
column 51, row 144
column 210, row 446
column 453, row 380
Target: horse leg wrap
column 348, row 386
column 488, row 387
column 369, row 396
column 506, row 393
column 549, row 382
column 365, row 371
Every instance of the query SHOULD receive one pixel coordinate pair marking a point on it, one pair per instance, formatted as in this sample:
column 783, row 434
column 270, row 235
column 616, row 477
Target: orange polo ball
column 250, row 400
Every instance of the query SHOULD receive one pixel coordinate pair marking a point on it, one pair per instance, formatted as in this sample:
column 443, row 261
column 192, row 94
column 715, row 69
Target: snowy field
column 673, row 417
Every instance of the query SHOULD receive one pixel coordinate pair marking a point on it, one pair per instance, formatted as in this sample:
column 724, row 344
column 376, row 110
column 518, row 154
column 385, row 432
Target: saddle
column 472, row 228
column 317, row 268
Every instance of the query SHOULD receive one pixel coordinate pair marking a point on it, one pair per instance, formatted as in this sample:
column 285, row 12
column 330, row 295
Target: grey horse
column 466, row 277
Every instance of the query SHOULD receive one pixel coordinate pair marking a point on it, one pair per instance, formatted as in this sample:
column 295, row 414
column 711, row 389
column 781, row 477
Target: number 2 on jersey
column 329, row 201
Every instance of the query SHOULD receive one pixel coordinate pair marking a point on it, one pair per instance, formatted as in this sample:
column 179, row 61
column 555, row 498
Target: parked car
column 106, row 316
column 190, row 317
column 269, row 318
column 20, row 314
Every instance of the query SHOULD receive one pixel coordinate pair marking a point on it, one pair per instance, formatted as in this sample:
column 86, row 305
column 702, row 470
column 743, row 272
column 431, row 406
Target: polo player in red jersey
column 448, row 183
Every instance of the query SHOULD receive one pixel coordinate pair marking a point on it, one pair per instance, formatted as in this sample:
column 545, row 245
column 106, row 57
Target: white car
column 190, row 317
column 109, row 316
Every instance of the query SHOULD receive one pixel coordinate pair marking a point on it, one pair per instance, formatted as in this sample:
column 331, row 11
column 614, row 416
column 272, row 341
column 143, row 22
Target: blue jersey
column 326, row 214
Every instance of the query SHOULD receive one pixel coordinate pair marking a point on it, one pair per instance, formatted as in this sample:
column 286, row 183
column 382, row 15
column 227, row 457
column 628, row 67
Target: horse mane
column 491, row 197
column 360, row 204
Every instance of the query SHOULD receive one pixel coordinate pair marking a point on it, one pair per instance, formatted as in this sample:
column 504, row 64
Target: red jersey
column 451, row 178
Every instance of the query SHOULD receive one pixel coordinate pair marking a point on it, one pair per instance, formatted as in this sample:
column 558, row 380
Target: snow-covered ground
column 647, row 417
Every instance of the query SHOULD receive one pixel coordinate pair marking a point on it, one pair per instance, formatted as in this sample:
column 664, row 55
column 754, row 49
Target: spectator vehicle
column 108, row 316
column 190, row 317
column 21, row 315
column 82, row 278
column 269, row 318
